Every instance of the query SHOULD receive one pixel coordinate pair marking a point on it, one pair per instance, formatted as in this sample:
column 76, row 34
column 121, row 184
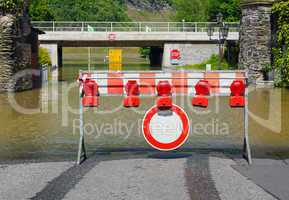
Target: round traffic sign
column 165, row 130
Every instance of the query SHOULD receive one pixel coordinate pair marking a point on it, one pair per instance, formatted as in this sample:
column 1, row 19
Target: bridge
column 73, row 34
column 191, row 38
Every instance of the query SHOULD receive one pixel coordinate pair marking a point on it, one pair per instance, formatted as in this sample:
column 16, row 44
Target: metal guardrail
column 59, row 26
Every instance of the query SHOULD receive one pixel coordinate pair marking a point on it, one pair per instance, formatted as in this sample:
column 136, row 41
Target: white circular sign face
column 166, row 130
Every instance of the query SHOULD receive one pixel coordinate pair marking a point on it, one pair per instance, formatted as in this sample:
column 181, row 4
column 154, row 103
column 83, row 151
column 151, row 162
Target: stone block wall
column 255, row 38
column 18, row 53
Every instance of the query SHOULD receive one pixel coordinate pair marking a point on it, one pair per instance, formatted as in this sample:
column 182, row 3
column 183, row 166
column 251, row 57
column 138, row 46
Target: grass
column 213, row 60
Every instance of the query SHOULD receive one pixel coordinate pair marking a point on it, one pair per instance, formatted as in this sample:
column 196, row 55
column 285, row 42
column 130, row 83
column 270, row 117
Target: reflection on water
column 50, row 130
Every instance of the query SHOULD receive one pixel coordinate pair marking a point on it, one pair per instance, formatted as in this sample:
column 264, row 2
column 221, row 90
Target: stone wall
column 255, row 38
column 18, row 52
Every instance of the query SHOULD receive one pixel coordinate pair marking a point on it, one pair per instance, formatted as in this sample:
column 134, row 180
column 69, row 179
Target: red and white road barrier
column 166, row 126
column 183, row 83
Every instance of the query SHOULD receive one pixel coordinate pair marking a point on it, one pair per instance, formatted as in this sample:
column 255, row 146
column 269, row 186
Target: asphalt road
column 165, row 176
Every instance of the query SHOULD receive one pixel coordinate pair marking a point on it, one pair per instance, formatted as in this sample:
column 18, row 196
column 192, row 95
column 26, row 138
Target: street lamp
column 223, row 35
column 225, row 31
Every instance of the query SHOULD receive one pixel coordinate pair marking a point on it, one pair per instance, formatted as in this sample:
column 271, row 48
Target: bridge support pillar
column 156, row 57
column 255, row 37
column 190, row 53
column 55, row 52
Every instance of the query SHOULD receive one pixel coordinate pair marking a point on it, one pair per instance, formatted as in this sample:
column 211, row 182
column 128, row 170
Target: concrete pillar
column 60, row 63
column 55, row 52
column 255, row 37
column 190, row 53
column 59, row 56
column 156, row 57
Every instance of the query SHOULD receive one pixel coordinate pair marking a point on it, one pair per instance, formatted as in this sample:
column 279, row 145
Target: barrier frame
column 82, row 155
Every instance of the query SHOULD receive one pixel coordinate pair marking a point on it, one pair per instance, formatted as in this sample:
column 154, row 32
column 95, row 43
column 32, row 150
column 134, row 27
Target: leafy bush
column 144, row 52
column 44, row 57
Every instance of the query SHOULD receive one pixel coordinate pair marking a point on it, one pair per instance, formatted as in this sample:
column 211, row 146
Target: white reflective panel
column 164, row 76
column 226, row 79
column 101, row 80
column 166, row 129
column 130, row 77
column 192, row 82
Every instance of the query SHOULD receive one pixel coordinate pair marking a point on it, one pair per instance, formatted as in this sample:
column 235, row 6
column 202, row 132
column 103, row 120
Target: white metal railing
column 61, row 26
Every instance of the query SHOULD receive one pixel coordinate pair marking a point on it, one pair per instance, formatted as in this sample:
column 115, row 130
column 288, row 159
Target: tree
column 229, row 8
column 78, row 10
column 191, row 11
column 40, row 11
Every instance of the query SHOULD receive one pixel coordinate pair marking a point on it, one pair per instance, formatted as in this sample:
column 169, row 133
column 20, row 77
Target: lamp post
column 223, row 35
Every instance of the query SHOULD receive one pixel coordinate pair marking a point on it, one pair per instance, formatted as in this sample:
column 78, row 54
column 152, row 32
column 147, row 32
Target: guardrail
column 60, row 26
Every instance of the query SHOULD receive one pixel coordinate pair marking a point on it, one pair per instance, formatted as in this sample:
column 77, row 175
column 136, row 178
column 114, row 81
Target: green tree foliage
column 78, row 10
column 115, row 10
column 191, row 11
column 144, row 52
column 204, row 10
column 229, row 8
column 281, row 52
column 11, row 6
column 44, row 57
column 40, row 11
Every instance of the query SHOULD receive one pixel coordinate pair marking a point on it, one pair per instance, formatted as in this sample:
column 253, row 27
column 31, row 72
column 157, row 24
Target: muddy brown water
column 43, row 123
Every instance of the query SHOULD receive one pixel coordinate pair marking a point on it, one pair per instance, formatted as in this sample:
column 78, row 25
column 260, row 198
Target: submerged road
column 157, row 176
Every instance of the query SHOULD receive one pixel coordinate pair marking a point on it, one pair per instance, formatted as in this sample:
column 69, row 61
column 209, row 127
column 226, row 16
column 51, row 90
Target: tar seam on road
column 61, row 185
column 198, row 178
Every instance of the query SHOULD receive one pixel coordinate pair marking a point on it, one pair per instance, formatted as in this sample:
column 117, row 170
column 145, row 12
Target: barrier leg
column 246, row 146
column 81, row 147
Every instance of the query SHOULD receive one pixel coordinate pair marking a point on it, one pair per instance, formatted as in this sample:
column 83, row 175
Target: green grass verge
column 213, row 60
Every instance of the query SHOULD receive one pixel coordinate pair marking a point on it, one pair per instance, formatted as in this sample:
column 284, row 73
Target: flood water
column 43, row 123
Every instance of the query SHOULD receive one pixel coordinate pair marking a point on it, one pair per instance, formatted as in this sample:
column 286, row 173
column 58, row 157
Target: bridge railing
column 59, row 26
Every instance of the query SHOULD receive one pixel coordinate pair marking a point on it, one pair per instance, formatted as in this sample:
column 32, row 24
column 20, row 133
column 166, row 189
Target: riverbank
column 133, row 175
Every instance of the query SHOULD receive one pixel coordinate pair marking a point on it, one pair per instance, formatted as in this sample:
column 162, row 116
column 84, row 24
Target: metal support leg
column 246, row 146
column 81, row 148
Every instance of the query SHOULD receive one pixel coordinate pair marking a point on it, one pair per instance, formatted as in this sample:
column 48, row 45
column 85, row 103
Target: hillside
column 150, row 10
column 133, row 10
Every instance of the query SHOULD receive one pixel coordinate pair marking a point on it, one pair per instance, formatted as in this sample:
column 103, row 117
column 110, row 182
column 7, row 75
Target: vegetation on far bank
column 213, row 60
column 281, row 51
column 117, row 10
column 44, row 57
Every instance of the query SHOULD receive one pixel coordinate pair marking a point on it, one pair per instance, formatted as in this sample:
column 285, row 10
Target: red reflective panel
column 203, row 88
column 237, row 88
column 90, row 101
column 164, row 88
column 90, row 88
column 132, row 88
column 164, row 103
column 200, row 101
column 131, row 101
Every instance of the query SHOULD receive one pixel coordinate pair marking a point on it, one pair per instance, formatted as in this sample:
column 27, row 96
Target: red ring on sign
column 166, row 146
